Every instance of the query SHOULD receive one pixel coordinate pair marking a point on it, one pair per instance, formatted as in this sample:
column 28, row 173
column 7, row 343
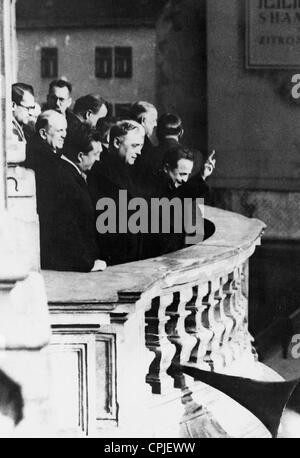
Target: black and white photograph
column 150, row 221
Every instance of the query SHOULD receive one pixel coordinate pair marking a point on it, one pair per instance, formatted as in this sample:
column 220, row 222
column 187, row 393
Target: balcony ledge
column 234, row 234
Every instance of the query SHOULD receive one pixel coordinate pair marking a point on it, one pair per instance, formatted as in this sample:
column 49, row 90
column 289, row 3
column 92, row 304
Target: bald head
column 52, row 128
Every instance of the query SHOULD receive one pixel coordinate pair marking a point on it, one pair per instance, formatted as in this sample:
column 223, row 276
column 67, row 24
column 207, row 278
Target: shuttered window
column 49, row 63
column 123, row 62
column 103, row 62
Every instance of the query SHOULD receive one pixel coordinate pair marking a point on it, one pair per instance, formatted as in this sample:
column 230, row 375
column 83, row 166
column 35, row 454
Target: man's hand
column 209, row 166
column 99, row 265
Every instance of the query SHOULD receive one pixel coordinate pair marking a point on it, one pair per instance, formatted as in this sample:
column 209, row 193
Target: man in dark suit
column 89, row 109
column 59, row 97
column 65, row 213
column 23, row 104
column 77, row 231
column 112, row 175
column 173, row 181
column 169, row 132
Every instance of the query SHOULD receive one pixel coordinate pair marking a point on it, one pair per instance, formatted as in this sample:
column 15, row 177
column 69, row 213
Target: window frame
column 108, row 74
column 119, row 55
column 49, row 55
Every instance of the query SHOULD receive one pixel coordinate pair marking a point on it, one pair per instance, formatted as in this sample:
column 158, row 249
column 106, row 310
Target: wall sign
column 273, row 33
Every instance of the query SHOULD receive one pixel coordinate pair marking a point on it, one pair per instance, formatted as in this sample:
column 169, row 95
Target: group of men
column 79, row 158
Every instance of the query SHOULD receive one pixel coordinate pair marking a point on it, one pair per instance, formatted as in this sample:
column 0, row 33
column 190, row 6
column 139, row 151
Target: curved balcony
column 116, row 335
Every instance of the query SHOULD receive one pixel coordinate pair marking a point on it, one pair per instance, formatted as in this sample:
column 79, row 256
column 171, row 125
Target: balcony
column 117, row 336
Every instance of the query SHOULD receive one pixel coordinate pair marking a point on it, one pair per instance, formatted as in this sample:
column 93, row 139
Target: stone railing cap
column 234, row 234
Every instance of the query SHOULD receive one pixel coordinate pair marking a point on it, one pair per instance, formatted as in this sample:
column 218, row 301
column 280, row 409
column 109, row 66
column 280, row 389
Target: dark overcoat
column 66, row 212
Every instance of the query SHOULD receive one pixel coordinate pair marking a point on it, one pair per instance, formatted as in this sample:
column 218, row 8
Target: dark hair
column 91, row 102
column 60, row 83
column 169, row 124
column 139, row 108
column 121, row 129
column 105, row 126
column 81, row 142
column 18, row 90
column 174, row 154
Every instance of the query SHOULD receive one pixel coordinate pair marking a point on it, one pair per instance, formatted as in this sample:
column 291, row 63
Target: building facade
column 99, row 47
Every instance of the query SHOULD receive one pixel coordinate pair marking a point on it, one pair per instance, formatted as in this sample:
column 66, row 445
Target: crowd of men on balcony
column 79, row 157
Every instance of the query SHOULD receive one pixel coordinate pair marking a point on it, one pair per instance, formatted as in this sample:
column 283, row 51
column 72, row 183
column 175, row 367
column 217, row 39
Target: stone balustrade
column 25, row 406
column 118, row 334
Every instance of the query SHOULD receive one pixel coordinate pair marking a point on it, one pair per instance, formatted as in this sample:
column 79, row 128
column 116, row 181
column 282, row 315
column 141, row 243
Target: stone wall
column 247, row 115
column 181, row 67
column 76, row 61
column 253, row 122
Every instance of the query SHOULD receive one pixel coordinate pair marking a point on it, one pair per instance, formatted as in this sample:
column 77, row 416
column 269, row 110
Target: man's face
column 59, row 99
column 93, row 118
column 22, row 112
column 181, row 173
column 150, row 121
column 131, row 145
column 55, row 133
column 86, row 161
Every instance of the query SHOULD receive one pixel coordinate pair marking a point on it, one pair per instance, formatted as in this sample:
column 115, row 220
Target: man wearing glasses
column 23, row 105
column 59, row 97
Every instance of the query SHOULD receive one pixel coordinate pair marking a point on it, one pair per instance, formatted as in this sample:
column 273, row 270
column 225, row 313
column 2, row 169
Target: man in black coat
column 174, row 181
column 113, row 174
column 169, row 133
column 77, row 232
column 67, row 233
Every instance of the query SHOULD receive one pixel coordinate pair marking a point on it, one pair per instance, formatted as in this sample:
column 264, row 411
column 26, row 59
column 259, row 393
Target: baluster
column 158, row 342
column 241, row 305
column 239, row 308
column 231, row 311
column 228, row 322
column 216, row 358
column 249, row 339
column 183, row 341
column 198, row 326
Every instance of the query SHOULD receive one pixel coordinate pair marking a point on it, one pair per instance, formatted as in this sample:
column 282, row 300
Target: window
column 122, row 110
column 49, row 63
column 111, row 62
column 123, row 62
column 103, row 63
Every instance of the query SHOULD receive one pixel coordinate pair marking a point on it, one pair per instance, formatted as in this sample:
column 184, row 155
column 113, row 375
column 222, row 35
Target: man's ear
column 79, row 157
column 87, row 114
column 14, row 106
column 166, row 168
column 43, row 134
column 117, row 143
column 70, row 101
column 142, row 121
